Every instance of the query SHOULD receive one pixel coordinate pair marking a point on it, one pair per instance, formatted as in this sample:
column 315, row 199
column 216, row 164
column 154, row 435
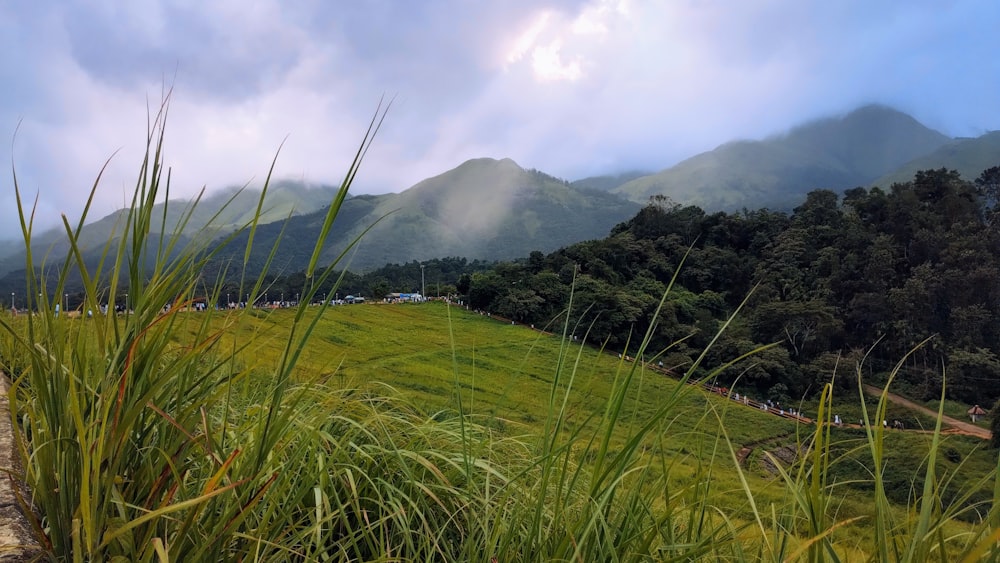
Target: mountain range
column 494, row 209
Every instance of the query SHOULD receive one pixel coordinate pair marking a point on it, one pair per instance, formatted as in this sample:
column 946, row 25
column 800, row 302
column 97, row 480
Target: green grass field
column 429, row 353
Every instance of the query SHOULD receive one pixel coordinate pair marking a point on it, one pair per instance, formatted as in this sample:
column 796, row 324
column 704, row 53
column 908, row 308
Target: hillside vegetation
column 179, row 431
column 871, row 276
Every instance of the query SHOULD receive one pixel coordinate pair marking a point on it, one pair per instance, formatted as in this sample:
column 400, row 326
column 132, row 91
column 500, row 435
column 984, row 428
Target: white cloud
column 527, row 39
column 572, row 87
column 548, row 64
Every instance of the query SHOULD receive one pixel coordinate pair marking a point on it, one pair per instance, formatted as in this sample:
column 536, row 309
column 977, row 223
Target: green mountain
column 220, row 212
column 494, row 209
column 484, row 209
column 968, row 156
column 608, row 182
column 835, row 153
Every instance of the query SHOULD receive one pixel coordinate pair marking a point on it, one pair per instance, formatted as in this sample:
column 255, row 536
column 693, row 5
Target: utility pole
column 423, row 293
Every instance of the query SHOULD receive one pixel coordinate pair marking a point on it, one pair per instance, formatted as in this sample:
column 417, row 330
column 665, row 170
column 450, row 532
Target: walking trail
column 959, row 426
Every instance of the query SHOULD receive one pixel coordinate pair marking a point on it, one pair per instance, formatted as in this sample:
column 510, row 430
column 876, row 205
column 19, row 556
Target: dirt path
column 963, row 427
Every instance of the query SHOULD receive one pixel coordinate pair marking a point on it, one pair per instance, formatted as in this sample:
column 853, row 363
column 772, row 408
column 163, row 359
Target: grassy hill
column 433, row 354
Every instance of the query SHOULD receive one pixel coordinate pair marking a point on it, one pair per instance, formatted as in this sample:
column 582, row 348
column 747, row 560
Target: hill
column 221, row 211
column 834, row 153
column 608, row 182
column 968, row 156
column 483, row 209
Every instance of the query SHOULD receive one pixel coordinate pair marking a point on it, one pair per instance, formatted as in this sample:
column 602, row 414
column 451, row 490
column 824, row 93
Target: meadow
column 426, row 433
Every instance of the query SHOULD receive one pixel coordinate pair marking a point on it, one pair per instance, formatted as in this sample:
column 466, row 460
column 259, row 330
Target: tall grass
column 140, row 445
column 143, row 440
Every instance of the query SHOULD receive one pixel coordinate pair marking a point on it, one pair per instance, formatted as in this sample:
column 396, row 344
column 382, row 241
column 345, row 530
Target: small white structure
column 976, row 412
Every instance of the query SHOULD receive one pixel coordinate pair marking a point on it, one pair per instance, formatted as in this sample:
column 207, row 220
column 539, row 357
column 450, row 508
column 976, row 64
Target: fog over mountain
column 493, row 209
column 832, row 153
column 576, row 88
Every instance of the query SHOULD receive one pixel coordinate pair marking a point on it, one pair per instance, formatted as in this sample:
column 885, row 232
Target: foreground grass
column 319, row 434
column 504, row 374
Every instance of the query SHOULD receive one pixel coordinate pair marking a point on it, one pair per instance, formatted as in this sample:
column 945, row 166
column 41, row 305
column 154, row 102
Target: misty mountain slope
column 220, row 212
column 487, row 209
column 296, row 237
column 969, row 156
column 483, row 209
column 608, row 182
column 835, row 153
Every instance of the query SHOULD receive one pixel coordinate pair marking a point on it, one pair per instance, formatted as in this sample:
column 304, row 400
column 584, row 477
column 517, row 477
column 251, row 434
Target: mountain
column 220, row 212
column 607, row 183
column 834, row 153
column 969, row 156
column 483, row 209
column 494, row 209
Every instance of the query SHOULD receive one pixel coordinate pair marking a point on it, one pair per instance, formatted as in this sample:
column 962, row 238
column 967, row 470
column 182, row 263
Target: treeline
column 437, row 278
column 872, row 274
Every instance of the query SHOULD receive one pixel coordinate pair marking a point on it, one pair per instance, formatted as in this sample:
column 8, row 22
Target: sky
column 574, row 88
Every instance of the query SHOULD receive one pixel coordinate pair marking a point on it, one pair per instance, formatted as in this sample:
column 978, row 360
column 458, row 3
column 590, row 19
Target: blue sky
column 573, row 88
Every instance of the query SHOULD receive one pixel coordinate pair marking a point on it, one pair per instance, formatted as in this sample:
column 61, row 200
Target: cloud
column 571, row 87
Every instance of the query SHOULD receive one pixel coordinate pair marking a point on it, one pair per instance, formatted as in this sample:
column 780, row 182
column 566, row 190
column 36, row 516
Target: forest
column 910, row 274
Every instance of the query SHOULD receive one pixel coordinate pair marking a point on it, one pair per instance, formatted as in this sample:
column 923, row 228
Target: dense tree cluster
column 874, row 273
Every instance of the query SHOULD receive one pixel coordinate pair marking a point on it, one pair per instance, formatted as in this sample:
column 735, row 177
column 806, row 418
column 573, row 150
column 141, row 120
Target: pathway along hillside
column 955, row 425
column 960, row 426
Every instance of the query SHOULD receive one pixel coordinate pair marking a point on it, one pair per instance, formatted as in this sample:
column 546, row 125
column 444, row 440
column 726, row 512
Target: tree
column 379, row 288
column 807, row 327
column 973, row 376
column 519, row 304
column 464, row 283
column 988, row 185
column 995, row 426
